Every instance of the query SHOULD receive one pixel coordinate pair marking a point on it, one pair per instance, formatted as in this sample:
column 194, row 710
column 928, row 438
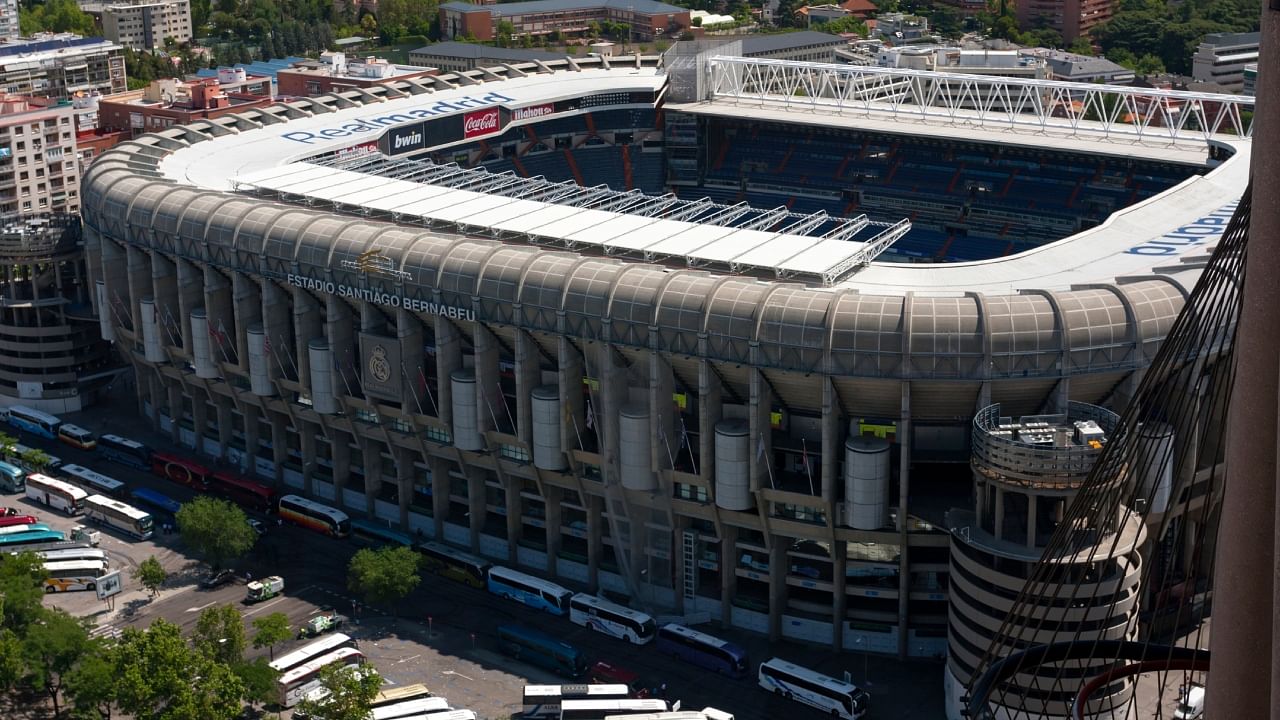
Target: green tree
column 846, row 24
column 36, row 459
column 215, row 529
column 1149, row 65
column 91, row 685
column 10, row 659
column 1081, row 46
column 21, row 591
column 51, row 649
column 7, row 442
column 351, row 693
column 160, row 677
column 271, row 630
column 151, row 574
column 385, row 575
column 55, row 16
column 219, row 634
column 259, row 680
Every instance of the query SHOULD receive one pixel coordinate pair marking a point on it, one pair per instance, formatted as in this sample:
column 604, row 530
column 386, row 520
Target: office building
column 648, row 19
column 38, row 169
column 60, row 66
column 147, row 25
column 1222, row 58
column 460, row 56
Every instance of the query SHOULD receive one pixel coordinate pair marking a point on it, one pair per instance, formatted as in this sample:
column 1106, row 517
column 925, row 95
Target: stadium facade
column 725, row 419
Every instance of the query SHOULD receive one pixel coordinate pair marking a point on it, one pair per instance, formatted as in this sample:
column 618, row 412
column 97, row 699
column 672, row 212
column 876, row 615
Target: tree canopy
column 271, row 630
column 351, row 693
column 55, row 16
column 215, row 529
column 385, row 575
column 1169, row 33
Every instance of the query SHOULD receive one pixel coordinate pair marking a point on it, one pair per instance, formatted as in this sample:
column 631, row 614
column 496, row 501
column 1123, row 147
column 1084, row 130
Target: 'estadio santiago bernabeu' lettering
column 359, row 125
column 378, row 297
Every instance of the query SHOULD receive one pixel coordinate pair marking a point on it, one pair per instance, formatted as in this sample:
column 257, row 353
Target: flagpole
column 662, row 433
column 807, row 468
column 217, row 337
column 684, row 438
column 337, row 365
column 296, row 372
column 427, row 387
column 416, row 399
column 760, row 455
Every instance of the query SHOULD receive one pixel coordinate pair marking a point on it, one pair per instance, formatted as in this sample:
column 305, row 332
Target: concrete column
column 307, row 444
column 277, row 323
column 200, row 420
column 174, row 397
column 409, row 332
column 439, row 493
column 404, row 480
column 840, row 604
column 1031, row 520
column 218, row 309
column 664, row 416
column 554, row 496
column 279, row 443
column 710, row 410
column 777, row 585
column 340, row 332
column 528, row 372
column 904, row 509
column 371, row 453
column 515, row 507
column 114, row 272
column 307, row 325
column 570, row 372
column 475, row 505
column 341, row 461
column 595, row 547
column 834, row 430
column 489, row 401
column 728, row 572
column 608, row 404
column 222, row 406
column 159, row 399
column 164, row 291
column 190, row 297
column 246, row 300
column 998, row 526
column 761, row 422
column 448, row 359
column 139, row 279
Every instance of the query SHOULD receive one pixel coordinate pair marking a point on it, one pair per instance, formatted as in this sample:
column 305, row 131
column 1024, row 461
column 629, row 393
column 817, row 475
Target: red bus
column 244, row 492
column 8, row 520
column 180, row 470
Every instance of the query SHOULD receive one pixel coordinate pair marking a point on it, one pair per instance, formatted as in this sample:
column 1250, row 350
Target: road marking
column 455, row 672
column 198, row 609
column 264, row 607
column 415, row 657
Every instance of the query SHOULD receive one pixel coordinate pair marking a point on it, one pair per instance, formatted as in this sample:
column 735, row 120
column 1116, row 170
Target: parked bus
column 14, row 529
column 545, row 651
column 12, row 478
column 841, row 699
column 243, row 492
column 294, row 684
column 77, row 437
column 601, row 709
column 155, row 502
column 93, row 481
column 180, row 470
column 454, row 564
column 400, row 694
column 311, row 651
column 543, row 701
column 703, row 650
column 447, row 715
column 532, row 591
column 375, row 533
column 82, row 553
column 54, row 493
column 125, row 451
column 68, row 575
column 611, row 619
column 17, row 453
column 707, row 713
column 315, row 516
column 407, row 709
column 11, row 520
column 121, row 516
column 34, row 421
column 30, row 540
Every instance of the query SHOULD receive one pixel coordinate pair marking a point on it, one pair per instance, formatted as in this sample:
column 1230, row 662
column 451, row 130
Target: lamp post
column 866, row 653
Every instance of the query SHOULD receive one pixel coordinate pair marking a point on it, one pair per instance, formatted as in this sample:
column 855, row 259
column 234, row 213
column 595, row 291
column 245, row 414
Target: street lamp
column 866, row 653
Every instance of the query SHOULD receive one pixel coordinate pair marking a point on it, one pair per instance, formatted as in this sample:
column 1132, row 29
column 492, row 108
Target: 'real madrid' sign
column 381, row 372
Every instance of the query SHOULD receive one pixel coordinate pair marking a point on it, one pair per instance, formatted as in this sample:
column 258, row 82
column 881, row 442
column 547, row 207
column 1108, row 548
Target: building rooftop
column 49, row 45
column 756, row 44
column 472, row 51
column 261, row 67
column 1249, row 38
column 1070, row 64
column 336, row 64
column 535, row 6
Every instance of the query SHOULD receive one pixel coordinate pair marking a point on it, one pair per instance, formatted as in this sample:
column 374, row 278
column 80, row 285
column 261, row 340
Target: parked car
column 607, row 673
column 217, row 579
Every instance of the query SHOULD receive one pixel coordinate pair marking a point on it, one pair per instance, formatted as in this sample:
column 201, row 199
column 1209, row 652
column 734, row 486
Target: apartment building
column 39, row 173
column 1222, row 58
column 1072, row 18
column 60, row 66
column 168, row 102
column 9, row 19
column 647, row 19
column 147, row 25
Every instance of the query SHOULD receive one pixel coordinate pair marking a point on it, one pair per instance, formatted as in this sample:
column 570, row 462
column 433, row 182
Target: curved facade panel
column 906, row 352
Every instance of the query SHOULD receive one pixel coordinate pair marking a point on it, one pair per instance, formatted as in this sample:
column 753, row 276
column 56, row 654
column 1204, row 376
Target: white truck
column 80, row 533
column 1190, row 702
column 264, row 589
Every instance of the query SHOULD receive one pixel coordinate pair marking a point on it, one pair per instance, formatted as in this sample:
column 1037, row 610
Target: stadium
column 707, row 332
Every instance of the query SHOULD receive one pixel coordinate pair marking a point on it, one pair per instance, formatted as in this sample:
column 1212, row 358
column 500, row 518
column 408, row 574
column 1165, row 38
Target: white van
column 1190, row 702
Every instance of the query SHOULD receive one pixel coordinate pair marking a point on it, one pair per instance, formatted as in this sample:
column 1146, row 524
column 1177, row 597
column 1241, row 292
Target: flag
column 266, row 343
column 760, row 449
column 422, row 380
column 591, row 415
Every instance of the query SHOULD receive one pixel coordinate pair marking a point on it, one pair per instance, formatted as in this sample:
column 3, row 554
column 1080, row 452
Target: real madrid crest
column 379, row 368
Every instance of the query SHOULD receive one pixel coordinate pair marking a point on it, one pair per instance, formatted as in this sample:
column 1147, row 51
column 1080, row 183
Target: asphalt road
column 454, row 653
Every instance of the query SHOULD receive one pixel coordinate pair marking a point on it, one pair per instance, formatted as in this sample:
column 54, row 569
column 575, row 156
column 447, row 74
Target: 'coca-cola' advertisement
column 481, row 122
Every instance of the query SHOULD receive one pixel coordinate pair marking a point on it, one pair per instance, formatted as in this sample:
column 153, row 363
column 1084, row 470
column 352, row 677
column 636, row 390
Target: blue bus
column 532, row 591
column 702, row 650
column 538, row 648
column 125, row 451
column 12, row 478
column 375, row 533
column 34, row 421
column 159, row 503
column 19, row 541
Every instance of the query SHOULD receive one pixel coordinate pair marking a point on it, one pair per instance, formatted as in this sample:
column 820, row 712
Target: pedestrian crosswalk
column 108, row 632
